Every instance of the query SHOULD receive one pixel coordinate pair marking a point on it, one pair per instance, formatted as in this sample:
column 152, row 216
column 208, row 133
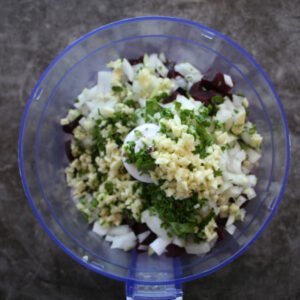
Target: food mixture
column 161, row 156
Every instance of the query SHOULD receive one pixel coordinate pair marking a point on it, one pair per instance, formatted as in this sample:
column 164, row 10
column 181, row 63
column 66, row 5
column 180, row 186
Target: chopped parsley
column 141, row 159
column 117, row 89
column 179, row 217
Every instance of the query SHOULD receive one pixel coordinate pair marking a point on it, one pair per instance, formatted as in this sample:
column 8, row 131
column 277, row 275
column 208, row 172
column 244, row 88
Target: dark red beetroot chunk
column 221, row 233
column 219, row 85
column 174, row 95
column 152, row 237
column 245, row 203
column 172, row 73
column 71, row 126
column 139, row 228
column 174, row 250
column 68, row 151
column 135, row 61
column 220, row 230
column 199, row 94
column 205, row 89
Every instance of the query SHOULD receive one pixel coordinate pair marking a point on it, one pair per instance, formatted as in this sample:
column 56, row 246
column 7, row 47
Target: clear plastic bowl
column 42, row 157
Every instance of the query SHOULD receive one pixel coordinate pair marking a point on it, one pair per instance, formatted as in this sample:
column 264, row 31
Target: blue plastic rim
column 139, row 19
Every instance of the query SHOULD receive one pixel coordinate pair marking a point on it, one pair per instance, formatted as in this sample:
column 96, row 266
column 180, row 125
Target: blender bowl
column 42, row 158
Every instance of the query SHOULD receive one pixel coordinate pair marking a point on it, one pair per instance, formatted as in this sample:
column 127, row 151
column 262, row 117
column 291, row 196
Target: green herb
column 217, row 173
column 186, row 116
column 142, row 159
column 217, row 99
column 130, row 103
column 117, row 88
column 94, row 202
column 166, row 113
column 99, row 142
column 240, row 94
column 138, row 134
column 160, row 97
column 243, row 145
column 109, row 187
column 177, row 106
column 152, row 107
column 191, row 167
column 205, row 140
column 252, row 130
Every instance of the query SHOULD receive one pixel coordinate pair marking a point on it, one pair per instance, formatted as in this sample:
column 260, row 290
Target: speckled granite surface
column 31, row 35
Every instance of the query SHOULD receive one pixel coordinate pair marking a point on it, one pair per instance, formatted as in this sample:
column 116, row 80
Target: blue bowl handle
column 158, row 292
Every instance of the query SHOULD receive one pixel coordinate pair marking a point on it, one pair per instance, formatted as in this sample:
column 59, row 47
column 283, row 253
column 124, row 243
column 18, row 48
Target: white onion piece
column 154, row 223
column 178, row 242
column 119, row 230
column 250, row 193
column 228, row 80
column 159, row 245
column 143, row 248
column 253, row 156
column 109, row 238
column 189, row 72
column 197, row 248
column 104, row 82
column 148, row 131
column 240, row 201
column 99, row 229
column 128, row 70
column 125, row 242
column 230, row 220
column 230, row 229
column 142, row 236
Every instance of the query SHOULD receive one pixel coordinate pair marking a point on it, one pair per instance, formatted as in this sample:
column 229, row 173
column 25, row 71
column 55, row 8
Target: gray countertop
column 32, row 33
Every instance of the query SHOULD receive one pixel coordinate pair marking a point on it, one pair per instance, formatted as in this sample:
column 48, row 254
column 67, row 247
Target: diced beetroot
column 139, row 228
column 68, row 150
column 221, row 222
column 220, row 229
column 152, row 236
column 130, row 222
column 205, row 89
column 219, row 84
column 174, row 95
column 174, row 250
column 220, row 232
column 71, row 126
column 139, row 249
column 135, row 61
column 172, row 73
column 199, row 94
column 246, row 202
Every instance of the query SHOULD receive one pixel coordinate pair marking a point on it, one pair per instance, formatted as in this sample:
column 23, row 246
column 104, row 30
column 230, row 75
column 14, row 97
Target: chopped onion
column 143, row 247
column 189, row 72
column 119, row 230
column 178, row 242
column 109, row 238
column 154, row 223
column 253, row 155
column 230, row 220
column 99, row 229
column 197, row 248
column 125, row 242
column 228, row 80
column 104, row 82
column 142, row 236
column 127, row 69
column 240, row 201
column 250, row 193
column 230, row 229
column 159, row 245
